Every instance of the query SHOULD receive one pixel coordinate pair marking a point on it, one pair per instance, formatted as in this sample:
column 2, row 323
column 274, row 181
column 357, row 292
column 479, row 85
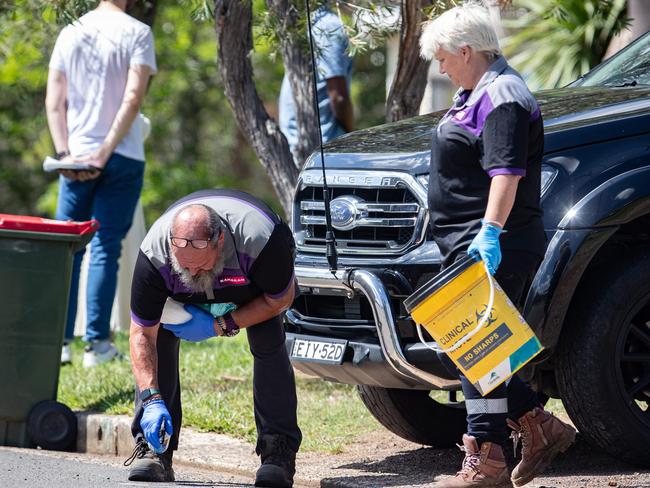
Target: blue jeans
column 111, row 199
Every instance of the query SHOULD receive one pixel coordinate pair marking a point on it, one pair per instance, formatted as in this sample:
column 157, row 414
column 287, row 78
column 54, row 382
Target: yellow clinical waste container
column 474, row 322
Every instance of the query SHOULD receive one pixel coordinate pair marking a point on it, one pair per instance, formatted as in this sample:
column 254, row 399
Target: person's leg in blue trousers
column 486, row 415
column 111, row 199
column 74, row 203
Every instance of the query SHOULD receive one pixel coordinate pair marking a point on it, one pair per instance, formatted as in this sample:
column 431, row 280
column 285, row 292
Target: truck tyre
column 603, row 359
column 415, row 416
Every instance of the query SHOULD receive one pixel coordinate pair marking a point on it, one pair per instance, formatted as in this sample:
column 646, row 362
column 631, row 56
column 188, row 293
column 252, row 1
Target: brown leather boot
column 543, row 437
column 481, row 467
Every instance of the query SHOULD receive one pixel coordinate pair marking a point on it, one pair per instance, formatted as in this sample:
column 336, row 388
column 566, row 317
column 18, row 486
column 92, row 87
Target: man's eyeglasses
column 196, row 243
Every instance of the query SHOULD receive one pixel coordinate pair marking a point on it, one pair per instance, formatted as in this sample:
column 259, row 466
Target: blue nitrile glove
column 198, row 328
column 154, row 417
column 486, row 246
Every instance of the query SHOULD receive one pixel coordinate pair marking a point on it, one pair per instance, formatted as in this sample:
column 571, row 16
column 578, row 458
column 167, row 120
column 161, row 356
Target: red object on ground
column 39, row 224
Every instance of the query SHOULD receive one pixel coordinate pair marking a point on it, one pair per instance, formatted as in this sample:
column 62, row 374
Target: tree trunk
column 233, row 21
column 297, row 65
column 238, row 161
column 411, row 74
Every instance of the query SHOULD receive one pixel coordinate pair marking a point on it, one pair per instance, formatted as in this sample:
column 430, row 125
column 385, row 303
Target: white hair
column 468, row 24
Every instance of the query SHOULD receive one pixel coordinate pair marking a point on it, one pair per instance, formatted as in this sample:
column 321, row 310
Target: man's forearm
column 55, row 108
column 262, row 308
column 339, row 96
column 144, row 356
column 133, row 96
column 121, row 125
column 56, row 121
column 344, row 113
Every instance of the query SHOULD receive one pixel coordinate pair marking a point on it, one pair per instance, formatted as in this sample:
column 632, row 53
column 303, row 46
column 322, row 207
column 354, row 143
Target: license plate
column 320, row 351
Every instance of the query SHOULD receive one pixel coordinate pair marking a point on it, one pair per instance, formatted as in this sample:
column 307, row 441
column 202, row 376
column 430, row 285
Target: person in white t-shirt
column 98, row 76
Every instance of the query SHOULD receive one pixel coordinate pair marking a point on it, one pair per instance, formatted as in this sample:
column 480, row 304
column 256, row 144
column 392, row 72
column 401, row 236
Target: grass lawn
column 216, row 376
column 217, row 381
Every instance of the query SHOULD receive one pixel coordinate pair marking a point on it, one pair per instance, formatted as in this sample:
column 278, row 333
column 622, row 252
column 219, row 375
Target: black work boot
column 278, row 462
column 149, row 466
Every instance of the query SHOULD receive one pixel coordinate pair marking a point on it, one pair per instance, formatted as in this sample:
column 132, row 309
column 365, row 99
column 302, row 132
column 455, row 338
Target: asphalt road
column 379, row 460
column 29, row 468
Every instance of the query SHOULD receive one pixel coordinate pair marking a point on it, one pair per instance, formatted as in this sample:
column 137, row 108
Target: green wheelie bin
column 35, row 271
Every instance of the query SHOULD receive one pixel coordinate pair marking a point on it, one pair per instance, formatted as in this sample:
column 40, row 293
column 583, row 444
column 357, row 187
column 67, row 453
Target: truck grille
column 378, row 213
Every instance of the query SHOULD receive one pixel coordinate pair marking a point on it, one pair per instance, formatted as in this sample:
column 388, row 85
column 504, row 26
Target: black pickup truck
column 589, row 303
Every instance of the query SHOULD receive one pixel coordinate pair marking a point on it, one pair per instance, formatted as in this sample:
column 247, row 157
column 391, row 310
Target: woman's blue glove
column 198, row 328
column 486, row 246
column 156, row 420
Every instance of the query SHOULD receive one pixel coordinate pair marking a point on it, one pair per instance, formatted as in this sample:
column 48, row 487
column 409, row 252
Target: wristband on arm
column 227, row 325
column 148, row 393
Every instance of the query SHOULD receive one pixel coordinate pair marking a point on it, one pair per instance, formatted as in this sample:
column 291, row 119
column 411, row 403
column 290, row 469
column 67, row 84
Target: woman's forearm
column 503, row 190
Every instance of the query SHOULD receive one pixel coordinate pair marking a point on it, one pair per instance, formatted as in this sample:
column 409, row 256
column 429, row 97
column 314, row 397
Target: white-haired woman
column 484, row 188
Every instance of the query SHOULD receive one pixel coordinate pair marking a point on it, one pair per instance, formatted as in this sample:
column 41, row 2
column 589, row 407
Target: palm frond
column 556, row 41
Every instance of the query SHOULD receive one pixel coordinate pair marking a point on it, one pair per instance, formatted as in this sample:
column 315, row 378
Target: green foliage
column 194, row 143
column 368, row 88
column 26, row 32
column 216, row 377
column 201, row 10
column 370, row 23
column 556, row 41
column 68, row 11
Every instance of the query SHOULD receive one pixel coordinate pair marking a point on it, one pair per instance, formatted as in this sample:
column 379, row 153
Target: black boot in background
column 278, row 462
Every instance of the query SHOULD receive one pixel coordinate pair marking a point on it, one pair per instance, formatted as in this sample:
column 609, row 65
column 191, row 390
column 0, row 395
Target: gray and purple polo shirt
column 494, row 129
column 258, row 248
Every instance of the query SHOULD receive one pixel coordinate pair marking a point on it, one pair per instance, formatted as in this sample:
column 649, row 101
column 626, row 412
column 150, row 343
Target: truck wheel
column 415, row 416
column 603, row 360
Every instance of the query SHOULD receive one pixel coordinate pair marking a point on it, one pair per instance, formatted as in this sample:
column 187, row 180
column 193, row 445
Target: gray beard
column 203, row 281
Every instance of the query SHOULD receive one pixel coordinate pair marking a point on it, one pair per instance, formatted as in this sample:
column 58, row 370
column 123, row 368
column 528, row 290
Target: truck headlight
column 548, row 176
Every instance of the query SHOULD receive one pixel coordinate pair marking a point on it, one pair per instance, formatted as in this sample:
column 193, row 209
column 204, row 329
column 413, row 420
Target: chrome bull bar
column 368, row 283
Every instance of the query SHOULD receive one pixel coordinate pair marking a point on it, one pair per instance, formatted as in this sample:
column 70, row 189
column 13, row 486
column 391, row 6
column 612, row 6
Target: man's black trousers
column 274, row 387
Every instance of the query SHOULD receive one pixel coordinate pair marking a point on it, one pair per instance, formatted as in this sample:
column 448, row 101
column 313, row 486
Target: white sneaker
column 66, row 354
column 99, row 352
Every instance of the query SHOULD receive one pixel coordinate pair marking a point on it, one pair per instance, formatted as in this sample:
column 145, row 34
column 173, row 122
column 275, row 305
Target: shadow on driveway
column 580, row 466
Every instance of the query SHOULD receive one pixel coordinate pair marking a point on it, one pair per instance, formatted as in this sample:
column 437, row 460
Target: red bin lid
column 39, row 224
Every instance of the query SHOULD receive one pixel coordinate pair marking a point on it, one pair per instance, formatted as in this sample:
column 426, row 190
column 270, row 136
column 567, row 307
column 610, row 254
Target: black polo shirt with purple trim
column 494, row 129
column 258, row 248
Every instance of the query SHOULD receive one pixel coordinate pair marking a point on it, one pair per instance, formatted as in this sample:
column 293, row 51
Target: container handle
column 479, row 326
